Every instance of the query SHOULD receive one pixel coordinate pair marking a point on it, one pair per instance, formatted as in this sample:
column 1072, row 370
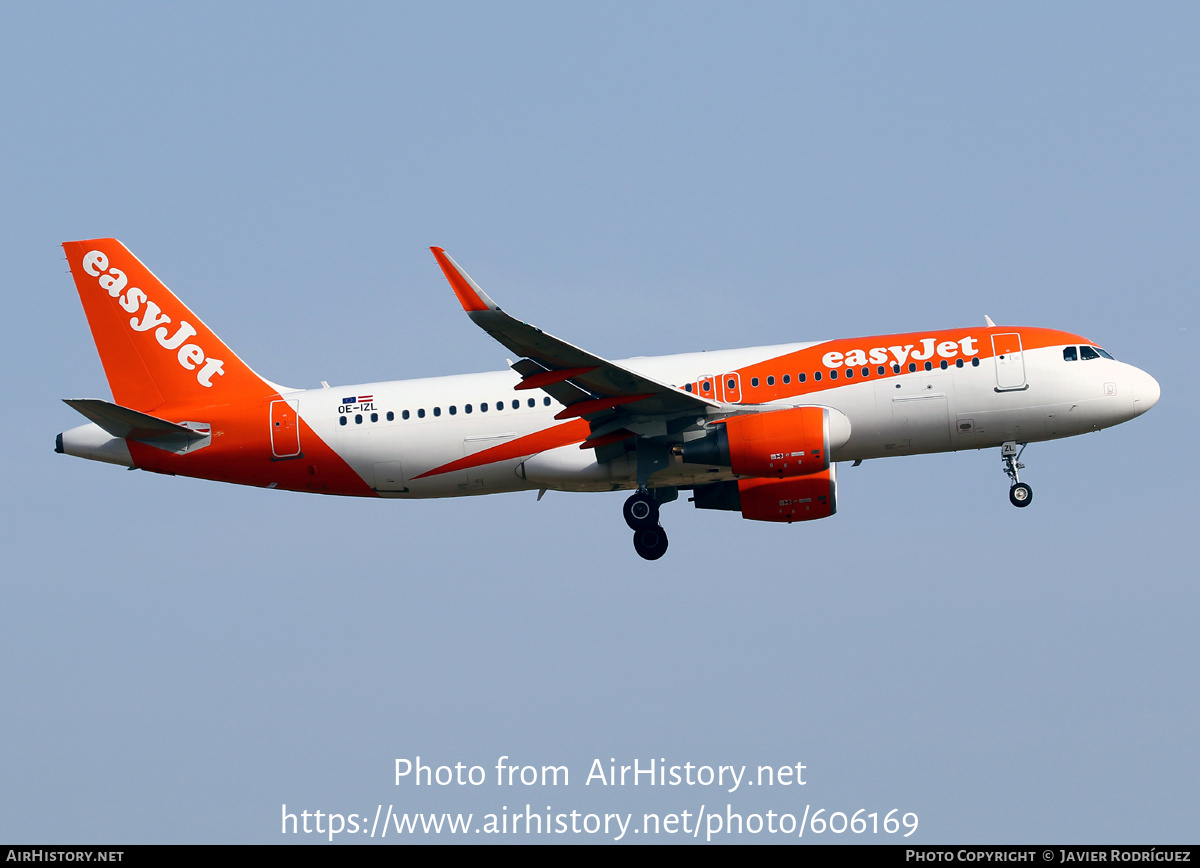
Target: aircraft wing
column 588, row 386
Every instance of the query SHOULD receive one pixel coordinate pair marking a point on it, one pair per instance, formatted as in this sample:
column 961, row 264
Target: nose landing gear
column 1019, row 494
column 641, row 514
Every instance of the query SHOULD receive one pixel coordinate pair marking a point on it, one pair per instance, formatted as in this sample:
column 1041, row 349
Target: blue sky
column 182, row 658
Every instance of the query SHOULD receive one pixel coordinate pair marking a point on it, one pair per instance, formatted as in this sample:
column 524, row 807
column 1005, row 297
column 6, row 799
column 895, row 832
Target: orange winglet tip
column 605, row 439
column 470, row 296
column 595, row 405
column 549, row 378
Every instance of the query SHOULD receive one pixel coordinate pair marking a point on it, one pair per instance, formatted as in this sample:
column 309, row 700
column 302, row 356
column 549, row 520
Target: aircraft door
column 731, row 387
column 285, row 430
column 1010, row 362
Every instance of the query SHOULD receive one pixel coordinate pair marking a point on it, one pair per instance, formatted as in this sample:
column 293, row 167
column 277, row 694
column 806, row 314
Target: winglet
column 470, row 296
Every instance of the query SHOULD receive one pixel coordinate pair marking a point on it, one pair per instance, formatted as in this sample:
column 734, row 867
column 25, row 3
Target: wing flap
column 559, row 389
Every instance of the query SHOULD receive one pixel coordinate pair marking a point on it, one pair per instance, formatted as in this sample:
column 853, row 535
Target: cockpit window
column 1070, row 354
column 1104, row 353
column 1087, row 354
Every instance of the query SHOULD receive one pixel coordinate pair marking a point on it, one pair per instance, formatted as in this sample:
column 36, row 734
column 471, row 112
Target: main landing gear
column 641, row 514
column 1019, row 494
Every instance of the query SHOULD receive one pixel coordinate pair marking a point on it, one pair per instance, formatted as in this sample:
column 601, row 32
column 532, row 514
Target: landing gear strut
column 641, row 514
column 1019, row 494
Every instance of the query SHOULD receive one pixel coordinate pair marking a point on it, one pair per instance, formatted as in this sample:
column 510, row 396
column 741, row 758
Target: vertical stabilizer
column 153, row 348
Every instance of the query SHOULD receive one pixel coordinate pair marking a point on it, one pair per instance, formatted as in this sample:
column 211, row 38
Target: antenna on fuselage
column 988, row 319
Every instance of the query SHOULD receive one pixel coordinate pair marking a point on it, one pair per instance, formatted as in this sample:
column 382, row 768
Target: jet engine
column 779, row 444
column 802, row 498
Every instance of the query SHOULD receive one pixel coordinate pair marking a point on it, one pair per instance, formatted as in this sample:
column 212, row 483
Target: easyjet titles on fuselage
column 879, row 355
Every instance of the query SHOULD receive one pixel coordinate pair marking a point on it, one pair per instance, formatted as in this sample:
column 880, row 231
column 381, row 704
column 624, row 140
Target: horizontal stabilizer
column 122, row 422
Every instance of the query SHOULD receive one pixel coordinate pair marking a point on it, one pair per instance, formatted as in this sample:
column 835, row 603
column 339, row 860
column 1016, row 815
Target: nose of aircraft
column 1145, row 391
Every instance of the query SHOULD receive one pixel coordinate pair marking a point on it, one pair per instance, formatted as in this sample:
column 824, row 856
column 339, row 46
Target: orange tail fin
column 154, row 350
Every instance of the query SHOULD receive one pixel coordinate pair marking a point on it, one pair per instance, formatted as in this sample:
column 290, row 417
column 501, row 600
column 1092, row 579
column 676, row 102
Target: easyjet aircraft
column 755, row 431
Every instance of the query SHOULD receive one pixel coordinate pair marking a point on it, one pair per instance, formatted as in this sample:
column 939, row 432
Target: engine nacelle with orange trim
column 803, row 498
column 778, row 444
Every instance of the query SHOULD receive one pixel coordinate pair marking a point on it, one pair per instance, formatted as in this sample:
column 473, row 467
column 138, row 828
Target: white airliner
column 755, row 430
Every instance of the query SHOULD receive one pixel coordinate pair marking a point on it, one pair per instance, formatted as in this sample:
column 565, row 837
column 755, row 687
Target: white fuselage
column 925, row 411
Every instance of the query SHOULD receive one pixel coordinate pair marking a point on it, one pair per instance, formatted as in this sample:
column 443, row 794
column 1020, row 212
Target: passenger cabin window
column 1070, row 354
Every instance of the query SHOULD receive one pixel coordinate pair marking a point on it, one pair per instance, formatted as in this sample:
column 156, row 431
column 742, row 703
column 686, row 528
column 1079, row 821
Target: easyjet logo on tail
column 190, row 356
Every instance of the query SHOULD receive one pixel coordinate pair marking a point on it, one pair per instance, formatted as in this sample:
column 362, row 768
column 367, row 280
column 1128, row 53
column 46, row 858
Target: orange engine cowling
column 803, row 498
column 781, row 444
column 778, row 444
